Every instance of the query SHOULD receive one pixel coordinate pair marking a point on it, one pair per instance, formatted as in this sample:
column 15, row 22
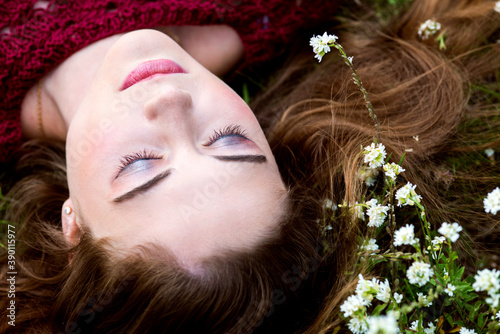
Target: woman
column 156, row 148
column 316, row 143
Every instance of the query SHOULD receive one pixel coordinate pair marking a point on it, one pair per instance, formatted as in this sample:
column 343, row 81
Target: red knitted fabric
column 36, row 36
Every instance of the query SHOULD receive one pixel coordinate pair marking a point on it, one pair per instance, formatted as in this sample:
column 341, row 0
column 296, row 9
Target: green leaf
column 449, row 319
column 379, row 309
column 480, row 320
column 474, row 310
column 402, row 158
column 459, row 272
column 246, row 94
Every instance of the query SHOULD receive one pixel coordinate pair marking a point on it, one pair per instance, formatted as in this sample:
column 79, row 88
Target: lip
column 150, row 69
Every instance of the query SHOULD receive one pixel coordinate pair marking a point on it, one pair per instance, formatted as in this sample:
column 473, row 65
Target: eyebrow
column 257, row 158
column 143, row 187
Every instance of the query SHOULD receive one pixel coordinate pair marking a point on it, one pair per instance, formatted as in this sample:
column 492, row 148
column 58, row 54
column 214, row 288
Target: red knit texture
column 36, row 36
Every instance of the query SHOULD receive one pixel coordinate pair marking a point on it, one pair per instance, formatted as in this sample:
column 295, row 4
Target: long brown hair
column 317, row 122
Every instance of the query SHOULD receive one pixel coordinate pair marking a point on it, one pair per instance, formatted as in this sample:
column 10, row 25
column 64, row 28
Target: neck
column 62, row 91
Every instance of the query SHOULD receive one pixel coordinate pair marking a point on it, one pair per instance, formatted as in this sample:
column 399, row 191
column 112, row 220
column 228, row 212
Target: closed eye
column 128, row 160
column 228, row 131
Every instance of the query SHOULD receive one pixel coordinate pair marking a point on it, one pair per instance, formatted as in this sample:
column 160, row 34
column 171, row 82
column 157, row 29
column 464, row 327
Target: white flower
column 493, row 301
column 406, row 195
column 414, row 325
column 449, row 289
column 321, row 44
column 464, row 330
column 384, row 292
column 487, row 280
column 498, row 315
column 319, row 57
column 317, row 43
column 419, row 273
column 370, row 245
column 368, row 175
column 489, row 151
column 445, row 273
column 351, row 305
column 357, row 325
column 392, row 170
column 423, row 300
column 438, row 241
column 497, row 7
column 393, row 313
column 328, row 39
column 450, row 231
column 365, row 289
column 329, row 204
column 376, row 212
column 492, row 202
column 382, row 325
column 358, row 211
column 398, row 297
column 375, row 155
column 405, row 236
column 436, row 245
column 428, row 28
column 431, row 329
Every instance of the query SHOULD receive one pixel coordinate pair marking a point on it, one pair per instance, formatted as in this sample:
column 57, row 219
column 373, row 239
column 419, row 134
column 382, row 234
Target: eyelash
column 127, row 160
column 230, row 130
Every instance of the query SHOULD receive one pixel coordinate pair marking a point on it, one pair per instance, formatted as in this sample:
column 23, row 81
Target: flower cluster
column 492, row 202
column 450, row 231
column 375, row 155
column 429, row 269
column 368, row 175
column 376, row 212
column 415, row 325
column 428, row 28
column 419, row 273
column 355, row 307
column 406, row 195
column 322, row 44
column 464, row 330
column 369, row 246
column 392, row 170
column 405, row 236
column 489, row 281
column 383, row 324
column 425, row 271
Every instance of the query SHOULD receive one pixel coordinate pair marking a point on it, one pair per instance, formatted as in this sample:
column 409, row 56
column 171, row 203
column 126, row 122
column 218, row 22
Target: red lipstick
column 150, row 69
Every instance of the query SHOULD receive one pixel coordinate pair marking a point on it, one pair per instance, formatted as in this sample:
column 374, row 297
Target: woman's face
column 160, row 150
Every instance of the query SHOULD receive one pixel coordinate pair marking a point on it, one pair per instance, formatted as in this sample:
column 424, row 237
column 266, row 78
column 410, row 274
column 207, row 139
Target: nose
column 169, row 104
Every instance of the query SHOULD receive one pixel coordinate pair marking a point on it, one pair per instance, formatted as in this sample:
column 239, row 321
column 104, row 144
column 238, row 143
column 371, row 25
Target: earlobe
column 71, row 229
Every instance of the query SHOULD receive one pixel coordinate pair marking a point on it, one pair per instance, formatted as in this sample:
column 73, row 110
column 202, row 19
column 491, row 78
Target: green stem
column 362, row 88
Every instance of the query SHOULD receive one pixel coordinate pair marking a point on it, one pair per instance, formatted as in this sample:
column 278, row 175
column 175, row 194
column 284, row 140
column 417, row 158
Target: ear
column 71, row 229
